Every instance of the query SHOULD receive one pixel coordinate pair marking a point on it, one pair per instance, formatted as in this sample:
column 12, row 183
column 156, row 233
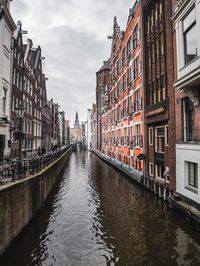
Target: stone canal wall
column 21, row 200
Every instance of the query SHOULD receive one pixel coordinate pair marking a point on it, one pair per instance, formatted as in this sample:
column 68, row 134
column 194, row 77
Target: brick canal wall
column 20, row 201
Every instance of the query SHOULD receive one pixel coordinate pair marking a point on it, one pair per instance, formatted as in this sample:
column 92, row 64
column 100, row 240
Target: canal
column 95, row 216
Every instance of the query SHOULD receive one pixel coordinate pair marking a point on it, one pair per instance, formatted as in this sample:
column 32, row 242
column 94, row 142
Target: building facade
column 122, row 122
column 89, row 130
column 67, row 132
column 94, row 127
column 83, row 133
column 54, row 123
column 187, row 84
column 159, row 102
column 103, row 84
column 7, row 27
column 17, row 85
column 46, row 118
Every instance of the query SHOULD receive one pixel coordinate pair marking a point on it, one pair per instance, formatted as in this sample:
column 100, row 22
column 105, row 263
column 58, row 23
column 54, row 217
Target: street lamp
column 19, row 134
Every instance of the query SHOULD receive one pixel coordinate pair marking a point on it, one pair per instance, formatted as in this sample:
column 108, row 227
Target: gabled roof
column 27, row 48
column 17, row 30
column 37, row 57
column 106, row 66
column 116, row 29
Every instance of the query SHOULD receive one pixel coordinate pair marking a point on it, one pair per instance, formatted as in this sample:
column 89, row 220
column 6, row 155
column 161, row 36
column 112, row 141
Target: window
column 137, row 68
column 150, row 94
column 13, row 103
column 4, row 101
column 151, row 170
column 136, row 36
column 138, row 101
column 188, row 123
column 150, row 136
column 153, row 53
column 192, row 174
column 154, row 92
column 129, row 46
column 160, row 139
column 166, row 136
column 158, row 90
column 163, row 89
column 157, row 50
column 156, row 12
column 159, row 172
column 190, row 36
column 137, row 135
column 162, row 44
column 123, row 56
column 149, row 56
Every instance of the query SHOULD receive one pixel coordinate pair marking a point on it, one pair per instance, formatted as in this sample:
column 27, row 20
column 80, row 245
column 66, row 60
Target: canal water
column 95, row 216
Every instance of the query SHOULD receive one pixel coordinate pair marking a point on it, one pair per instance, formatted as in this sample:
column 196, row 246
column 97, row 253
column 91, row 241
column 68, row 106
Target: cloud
column 73, row 37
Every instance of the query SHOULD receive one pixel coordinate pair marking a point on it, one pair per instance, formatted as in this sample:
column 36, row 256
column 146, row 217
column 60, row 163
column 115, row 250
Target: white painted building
column 187, row 25
column 7, row 27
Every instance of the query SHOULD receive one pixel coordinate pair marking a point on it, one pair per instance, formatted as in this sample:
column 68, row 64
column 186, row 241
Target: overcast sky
column 73, row 38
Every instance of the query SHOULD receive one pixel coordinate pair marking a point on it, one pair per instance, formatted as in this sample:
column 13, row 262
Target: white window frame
column 151, row 169
column 156, row 171
column 156, row 139
column 187, row 185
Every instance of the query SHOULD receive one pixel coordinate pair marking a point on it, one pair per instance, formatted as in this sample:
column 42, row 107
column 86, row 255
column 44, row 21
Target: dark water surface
column 95, row 216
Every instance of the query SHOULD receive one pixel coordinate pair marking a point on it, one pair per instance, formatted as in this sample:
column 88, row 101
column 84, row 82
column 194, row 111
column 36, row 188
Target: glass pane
column 190, row 45
column 187, row 22
column 160, row 131
column 191, row 174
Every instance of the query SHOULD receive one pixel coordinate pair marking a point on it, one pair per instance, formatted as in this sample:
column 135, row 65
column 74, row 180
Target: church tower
column 76, row 122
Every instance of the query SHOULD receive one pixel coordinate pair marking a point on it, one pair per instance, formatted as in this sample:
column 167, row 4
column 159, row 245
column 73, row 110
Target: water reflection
column 95, row 216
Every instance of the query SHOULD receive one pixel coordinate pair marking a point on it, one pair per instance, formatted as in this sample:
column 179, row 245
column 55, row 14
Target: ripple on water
column 97, row 217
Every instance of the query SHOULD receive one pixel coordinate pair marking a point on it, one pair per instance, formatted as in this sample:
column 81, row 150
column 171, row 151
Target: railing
column 15, row 169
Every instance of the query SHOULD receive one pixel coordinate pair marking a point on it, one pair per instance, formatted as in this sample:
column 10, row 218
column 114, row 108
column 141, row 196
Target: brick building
column 54, row 122
column 62, row 128
column 122, row 124
column 46, row 117
column 94, row 127
column 28, row 96
column 103, row 84
column 187, row 84
column 159, row 102
column 37, row 103
column 17, row 84
column 67, row 132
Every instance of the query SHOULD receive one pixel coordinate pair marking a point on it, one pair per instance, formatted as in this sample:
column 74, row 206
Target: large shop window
column 160, row 139
column 190, row 36
column 192, row 174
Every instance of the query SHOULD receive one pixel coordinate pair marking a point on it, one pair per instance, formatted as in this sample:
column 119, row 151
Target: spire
column 76, row 115
column 76, row 122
